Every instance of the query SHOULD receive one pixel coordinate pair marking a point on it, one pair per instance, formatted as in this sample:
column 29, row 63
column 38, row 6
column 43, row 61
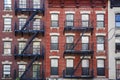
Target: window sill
column 6, row 54
column 6, row 31
column 7, row 10
column 99, row 51
column 54, row 76
column 6, row 78
column 54, row 27
column 101, row 77
column 54, row 50
column 100, row 28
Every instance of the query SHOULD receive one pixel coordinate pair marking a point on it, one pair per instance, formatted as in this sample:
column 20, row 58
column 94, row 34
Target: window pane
column 100, row 24
column 36, row 24
column 54, row 17
column 36, row 3
column 36, row 47
column 21, row 69
column 69, row 39
column 85, row 17
column 7, row 24
column 7, row 47
column 100, row 47
column 6, row 70
column 22, row 22
column 100, row 63
column 117, row 24
column 117, row 17
column 36, row 71
column 54, row 63
column 85, row 63
column 100, row 17
column 70, row 17
column 21, row 46
column 85, row 39
column 22, row 3
column 69, row 63
column 100, row 39
column 7, row 4
column 54, row 39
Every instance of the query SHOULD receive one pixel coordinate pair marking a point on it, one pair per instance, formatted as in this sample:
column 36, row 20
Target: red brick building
column 53, row 39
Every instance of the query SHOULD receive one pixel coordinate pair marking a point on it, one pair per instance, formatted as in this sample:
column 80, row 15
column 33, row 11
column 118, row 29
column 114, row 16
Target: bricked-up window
column 7, row 47
column 54, row 20
column 100, row 43
column 69, row 20
column 69, row 66
column 54, row 66
column 7, row 4
column 85, row 67
column 36, row 4
column 7, row 24
column 100, row 20
column 36, row 47
column 117, row 47
column 117, row 20
column 101, row 67
column 69, row 42
column 117, row 69
column 36, row 24
column 22, row 68
column 85, row 42
column 6, row 71
column 85, row 20
column 54, row 43
column 22, row 3
column 36, row 71
column 22, row 45
column 22, row 22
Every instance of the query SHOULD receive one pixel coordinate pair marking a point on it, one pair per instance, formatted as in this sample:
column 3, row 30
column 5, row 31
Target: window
column 36, row 24
column 54, row 20
column 100, row 20
column 69, row 66
column 22, row 3
column 22, row 68
column 69, row 20
column 69, row 42
column 7, row 4
column 54, row 42
column 117, row 69
column 7, row 47
column 54, row 66
column 36, row 71
column 22, row 22
column 36, row 47
column 117, row 20
column 117, row 47
column 100, row 43
column 7, row 24
column 36, row 4
column 85, row 20
column 100, row 68
column 85, row 67
column 6, row 71
column 21, row 46
column 85, row 43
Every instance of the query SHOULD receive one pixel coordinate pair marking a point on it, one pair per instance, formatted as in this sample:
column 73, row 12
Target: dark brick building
column 54, row 39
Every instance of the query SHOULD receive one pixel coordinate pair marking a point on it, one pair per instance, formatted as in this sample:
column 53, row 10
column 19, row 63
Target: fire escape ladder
column 29, row 42
column 28, row 66
column 28, row 21
column 83, row 55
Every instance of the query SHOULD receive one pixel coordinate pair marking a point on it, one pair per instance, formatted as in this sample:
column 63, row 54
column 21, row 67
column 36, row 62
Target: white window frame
column 7, row 24
column 7, row 47
column 6, row 70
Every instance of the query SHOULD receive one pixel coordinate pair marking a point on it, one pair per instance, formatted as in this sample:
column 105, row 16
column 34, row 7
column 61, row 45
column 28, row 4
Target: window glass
column 36, row 24
column 36, row 47
column 85, row 63
column 7, row 47
column 100, row 20
column 22, row 3
column 6, row 71
column 7, row 24
column 7, row 4
column 36, row 71
column 100, row 63
column 69, row 39
column 54, row 20
column 22, row 68
column 69, row 63
column 36, row 3
column 21, row 46
column 100, row 43
column 117, row 20
column 22, row 22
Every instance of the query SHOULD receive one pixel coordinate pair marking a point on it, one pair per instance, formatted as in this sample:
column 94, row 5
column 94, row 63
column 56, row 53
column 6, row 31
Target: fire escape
column 27, row 53
column 78, row 27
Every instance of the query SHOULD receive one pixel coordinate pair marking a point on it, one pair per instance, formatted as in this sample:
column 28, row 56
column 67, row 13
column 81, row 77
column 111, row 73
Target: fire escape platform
column 78, row 29
column 78, row 77
column 78, row 52
column 114, row 3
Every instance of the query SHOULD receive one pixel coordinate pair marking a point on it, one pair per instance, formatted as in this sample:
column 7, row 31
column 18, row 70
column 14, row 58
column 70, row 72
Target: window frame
column 7, row 6
column 117, row 21
column 69, row 45
column 56, row 43
column 8, row 71
column 55, row 23
column 70, row 68
column 36, row 5
column 36, row 72
column 20, row 72
column 100, row 14
column 117, row 70
column 20, row 48
column 101, row 43
column 7, row 25
column 36, row 48
column 85, row 21
column 99, row 69
column 69, row 23
column 6, row 48
column 85, row 69
column 51, row 67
